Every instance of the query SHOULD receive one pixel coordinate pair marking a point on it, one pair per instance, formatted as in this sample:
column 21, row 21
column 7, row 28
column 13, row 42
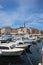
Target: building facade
column 19, row 31
column 6, row 30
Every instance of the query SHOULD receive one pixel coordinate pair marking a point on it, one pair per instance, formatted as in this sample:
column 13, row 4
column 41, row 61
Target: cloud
column 15, row 19
column 26, row 11
column 5, row 19
column 35, row 25
column 35, row 20
column 1, row 7
column 8, row 19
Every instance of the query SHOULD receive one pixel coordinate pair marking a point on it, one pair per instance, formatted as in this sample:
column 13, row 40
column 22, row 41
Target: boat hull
column 11, row 52
column 23, row 46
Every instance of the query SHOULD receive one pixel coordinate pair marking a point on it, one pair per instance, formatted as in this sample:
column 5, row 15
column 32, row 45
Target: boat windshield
column 25, row 39
column 13, row 46
column 22, row 38
column 18, row 39
column 14, row 40
column 7, row 36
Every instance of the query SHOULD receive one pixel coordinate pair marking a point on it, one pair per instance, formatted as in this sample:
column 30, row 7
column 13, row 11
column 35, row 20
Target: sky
column 15, row 12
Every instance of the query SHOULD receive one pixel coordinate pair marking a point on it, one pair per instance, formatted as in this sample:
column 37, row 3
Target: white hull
column 14, row 52
column 23, row 46
column 11, row 53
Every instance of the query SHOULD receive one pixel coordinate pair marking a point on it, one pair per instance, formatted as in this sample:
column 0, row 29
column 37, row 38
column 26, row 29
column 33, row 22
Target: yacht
column 41, row 37
column 5, row 38
column 21, row 42
column 38, row 39
column 16, row 47
column 34, row 38
column 6, row 50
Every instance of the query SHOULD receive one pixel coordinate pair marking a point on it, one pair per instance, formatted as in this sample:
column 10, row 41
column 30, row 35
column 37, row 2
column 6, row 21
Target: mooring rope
column 28, row 58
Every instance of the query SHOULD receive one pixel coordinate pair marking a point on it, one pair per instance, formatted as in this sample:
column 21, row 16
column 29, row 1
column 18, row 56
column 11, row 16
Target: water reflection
column 11, row 60
column 22, row 60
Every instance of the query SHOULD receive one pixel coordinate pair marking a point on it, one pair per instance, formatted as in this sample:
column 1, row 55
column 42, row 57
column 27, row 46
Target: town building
column 6, row 30
column 19, row 31
column 34, row 31
column 41, row 32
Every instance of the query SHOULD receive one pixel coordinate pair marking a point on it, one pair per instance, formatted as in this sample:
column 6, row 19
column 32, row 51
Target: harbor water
column 34, row 57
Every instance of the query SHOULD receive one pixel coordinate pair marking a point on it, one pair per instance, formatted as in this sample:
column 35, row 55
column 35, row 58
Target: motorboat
column 41, row 37
column 5, row 38
column 38, row 39
column 2, row 40
column 34, row 38
column 21, row 42
column 6, row 50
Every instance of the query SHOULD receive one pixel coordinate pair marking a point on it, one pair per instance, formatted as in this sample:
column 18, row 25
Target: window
column 18, row 38
column 3, row 47
column 13, row 46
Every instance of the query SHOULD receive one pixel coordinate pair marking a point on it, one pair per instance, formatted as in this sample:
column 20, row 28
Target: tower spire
column 24, row 24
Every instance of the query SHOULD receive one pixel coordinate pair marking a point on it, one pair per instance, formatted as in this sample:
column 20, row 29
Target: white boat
column 8, row 51
column 16, row 47
column 38, row 39
column 19, row 45
column 41, row 37
column 5, row 38
column 34, row 38
column 21, row 42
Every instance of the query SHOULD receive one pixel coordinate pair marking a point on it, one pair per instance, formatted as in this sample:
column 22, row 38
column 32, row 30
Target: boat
column 33, row 39
column 41, row 37
column 18, row 43
column 38, row 39
column 5, row 38
column 21, row 42
column 6, row 50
